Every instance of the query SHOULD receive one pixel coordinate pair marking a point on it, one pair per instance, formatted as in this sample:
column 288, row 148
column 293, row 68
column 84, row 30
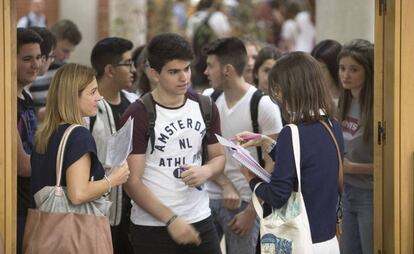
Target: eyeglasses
column 129, row 64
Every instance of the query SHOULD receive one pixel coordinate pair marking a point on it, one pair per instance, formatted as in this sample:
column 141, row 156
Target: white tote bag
column 286, row 230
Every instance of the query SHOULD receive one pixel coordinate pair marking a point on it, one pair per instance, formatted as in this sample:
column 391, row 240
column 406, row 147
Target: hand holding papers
column 245, row 158
column 119, row 145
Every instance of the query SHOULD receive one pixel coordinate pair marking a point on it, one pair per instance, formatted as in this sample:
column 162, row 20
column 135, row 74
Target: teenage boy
column 226, row 61
column 170, row 212
column 111, row 59
column 28, row 63
column 47, row 48
column 68, row 37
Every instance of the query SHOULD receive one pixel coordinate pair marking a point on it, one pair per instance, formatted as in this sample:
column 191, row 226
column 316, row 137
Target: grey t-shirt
column 356, row 148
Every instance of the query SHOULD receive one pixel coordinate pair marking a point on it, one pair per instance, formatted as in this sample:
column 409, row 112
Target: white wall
column 84, row 14
column 344, row 20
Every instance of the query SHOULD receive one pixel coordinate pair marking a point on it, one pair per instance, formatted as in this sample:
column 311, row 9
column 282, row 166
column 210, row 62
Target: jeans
column 157, row 240
column 357, row 227
column 235, row 244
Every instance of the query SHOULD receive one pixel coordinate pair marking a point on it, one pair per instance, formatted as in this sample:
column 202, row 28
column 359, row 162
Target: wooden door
column 394, row 127
column 8, row 125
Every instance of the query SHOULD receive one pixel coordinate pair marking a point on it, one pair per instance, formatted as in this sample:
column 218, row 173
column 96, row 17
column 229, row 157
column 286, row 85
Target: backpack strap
column 216, row 93
column 206, row 107
column 254, row 114
column 149, row 104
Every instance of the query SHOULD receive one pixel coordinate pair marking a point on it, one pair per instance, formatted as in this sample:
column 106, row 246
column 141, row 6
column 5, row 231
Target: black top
column 319, row 176
column 26, row 126
column 118, row 110
column 79, row 143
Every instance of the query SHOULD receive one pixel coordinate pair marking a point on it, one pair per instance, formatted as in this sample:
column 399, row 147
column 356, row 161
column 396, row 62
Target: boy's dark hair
column 49, row 40
column 327, row 51
column 27, row 36
column 229, row 50
column 67, row 30
column 267, row 52
column 108, row 51
column 166, row 47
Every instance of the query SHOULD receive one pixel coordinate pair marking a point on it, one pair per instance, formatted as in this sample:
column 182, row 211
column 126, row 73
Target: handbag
column 286, row 230
column 340, row 183
column 57, row 226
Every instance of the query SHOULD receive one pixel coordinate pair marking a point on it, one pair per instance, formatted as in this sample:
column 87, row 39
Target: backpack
column 254, row 113
column 206, row 108
column 203, row 34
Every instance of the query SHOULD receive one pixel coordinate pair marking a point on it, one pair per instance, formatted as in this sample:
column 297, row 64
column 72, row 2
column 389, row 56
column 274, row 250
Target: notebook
column 244, row 157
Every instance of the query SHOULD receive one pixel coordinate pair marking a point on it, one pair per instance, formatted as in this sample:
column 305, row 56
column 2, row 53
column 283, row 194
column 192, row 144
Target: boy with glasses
column 111, row 59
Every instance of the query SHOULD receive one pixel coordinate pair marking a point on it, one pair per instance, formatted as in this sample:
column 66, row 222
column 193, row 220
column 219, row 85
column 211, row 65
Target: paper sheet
column 119, row 145
column 244, row 157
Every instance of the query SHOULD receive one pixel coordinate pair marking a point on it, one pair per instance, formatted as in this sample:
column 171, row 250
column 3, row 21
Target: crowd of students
column 179, row 190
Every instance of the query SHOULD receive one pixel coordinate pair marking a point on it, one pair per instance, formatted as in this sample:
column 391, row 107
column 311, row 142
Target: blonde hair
column 63, row 101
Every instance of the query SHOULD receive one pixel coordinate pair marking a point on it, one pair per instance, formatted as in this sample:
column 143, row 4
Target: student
column 143, row 83
column 356, row 72
column 230, row 194
column 265, row 60
column 298, row 75
column 35, row 17
column 170, row 212
column 47, row 48
column 73, row 96
column 68, row 37
column 253, row 47
column 111, row 59
column 28, row 63
column 326, row 52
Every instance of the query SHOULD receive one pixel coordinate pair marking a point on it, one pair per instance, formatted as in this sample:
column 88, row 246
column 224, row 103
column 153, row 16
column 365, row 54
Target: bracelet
column 109, row 183
column 171, row 220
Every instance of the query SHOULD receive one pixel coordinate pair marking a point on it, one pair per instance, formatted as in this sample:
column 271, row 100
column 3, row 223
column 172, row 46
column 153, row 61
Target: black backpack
column 206, row 108
column 203, row 34
column 254, row 113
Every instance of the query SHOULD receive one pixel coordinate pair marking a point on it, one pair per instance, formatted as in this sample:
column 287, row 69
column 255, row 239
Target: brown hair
column 362, row 51
column 296, row 82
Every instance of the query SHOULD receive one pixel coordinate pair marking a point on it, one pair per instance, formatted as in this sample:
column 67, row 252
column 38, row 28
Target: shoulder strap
column 206, row 107
column 149, row 104
column 216, row 93
column 340, row 170
column 207, row 18
column 29, row 22
column 296, row 152
column 254, row 114
column 61, row 152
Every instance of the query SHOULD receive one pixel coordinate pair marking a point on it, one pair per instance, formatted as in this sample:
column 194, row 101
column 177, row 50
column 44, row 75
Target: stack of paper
column 245, row 158
column 119, row 145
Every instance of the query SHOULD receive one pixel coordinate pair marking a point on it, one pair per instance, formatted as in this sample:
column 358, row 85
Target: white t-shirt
column 178, row 140
column 237, row 119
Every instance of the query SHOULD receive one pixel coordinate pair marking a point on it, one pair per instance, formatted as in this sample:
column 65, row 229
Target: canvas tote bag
column 286, row 230
column 57, row 226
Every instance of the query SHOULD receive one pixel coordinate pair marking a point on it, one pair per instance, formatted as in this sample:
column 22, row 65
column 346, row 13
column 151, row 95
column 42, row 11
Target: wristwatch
column 270, row 147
